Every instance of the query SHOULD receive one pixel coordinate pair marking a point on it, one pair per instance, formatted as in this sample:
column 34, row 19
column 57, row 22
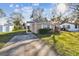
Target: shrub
column 44, row 31
column 29, row 30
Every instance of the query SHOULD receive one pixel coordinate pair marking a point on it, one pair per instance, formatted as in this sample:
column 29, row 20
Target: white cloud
column 26, row 8
column 17, row 10
column 16, row 6
column 11, row 5
column 27, row 11
column 47, row 13
column 35, row 4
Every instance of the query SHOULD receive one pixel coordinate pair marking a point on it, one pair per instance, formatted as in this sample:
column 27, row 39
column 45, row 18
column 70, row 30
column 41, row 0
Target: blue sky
column 26, row 8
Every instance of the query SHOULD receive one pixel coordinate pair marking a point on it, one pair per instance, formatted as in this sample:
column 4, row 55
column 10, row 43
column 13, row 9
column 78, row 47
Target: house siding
column 72, row 27
column 34, row 27
column 1, row 28
column 5, row 28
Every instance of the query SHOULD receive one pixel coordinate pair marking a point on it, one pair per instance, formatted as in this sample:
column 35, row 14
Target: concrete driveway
column 27, row 45
column 20, row 38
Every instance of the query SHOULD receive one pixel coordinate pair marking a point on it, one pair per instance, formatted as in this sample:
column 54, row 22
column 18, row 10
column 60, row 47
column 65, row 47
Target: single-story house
column 35, row 26
column 70, row 26
column 5, row 26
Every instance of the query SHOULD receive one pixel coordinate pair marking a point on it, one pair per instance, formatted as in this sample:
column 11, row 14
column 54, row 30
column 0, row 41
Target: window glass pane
column 68, row 26
column 75, row 25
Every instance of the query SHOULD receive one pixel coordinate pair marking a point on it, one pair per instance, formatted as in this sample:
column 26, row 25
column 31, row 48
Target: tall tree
column 56, row 21
column 37, row 14
column 75, row 8
column 17, row 21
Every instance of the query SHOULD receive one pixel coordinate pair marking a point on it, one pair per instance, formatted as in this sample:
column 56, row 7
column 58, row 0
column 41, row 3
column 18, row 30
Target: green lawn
column 47, row 38
column 6, row 36
column 67, row 43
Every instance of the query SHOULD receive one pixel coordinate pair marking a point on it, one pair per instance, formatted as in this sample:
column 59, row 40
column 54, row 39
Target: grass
column 67, row 43
column 6, row 36
column 47, row 38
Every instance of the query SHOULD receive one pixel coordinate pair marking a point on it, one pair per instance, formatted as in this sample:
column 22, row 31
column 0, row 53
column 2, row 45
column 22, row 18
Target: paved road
column 27, row 47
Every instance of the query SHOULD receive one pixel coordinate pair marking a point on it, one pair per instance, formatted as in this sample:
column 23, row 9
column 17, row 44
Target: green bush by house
column 44, row 31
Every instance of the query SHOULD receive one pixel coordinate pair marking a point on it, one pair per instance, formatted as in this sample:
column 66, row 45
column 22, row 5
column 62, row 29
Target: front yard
column 5, row 37
column 67, row 43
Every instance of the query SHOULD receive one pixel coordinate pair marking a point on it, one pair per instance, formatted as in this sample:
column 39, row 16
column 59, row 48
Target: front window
column 68, row 26
column 76, row 26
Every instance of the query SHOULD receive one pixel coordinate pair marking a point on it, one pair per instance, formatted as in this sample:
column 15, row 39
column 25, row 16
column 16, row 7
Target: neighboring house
column 5, row 26
column 70, row 26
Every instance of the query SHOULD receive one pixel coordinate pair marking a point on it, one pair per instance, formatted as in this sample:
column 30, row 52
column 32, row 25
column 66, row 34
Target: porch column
column 35, row 27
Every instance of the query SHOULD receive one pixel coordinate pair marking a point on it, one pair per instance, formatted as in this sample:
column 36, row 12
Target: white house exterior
column 5, row 26
column 35, row 26
column 70, row 26
column 38, row 21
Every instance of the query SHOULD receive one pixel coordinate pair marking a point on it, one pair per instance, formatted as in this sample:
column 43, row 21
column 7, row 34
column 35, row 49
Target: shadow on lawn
column 5, row 37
